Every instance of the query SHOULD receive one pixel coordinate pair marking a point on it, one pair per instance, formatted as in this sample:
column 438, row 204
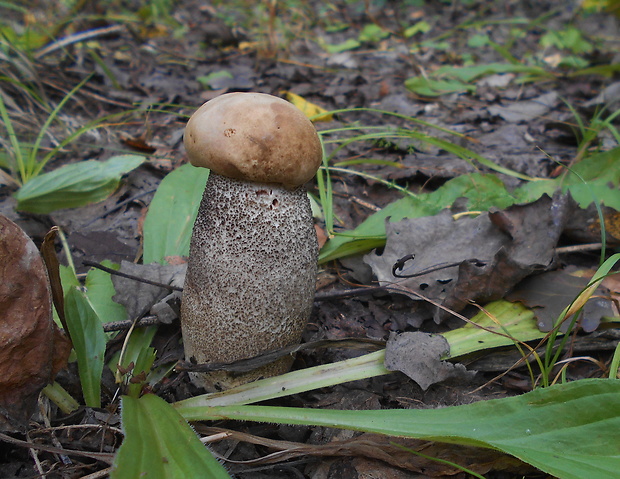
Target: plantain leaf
column 75, row 185
column 89, row 342
column 170, row 219
column 159, row 444
column 569, row 431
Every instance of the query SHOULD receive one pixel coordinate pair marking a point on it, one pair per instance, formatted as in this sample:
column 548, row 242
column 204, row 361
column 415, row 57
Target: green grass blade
column 33, row 167
column 324, row 184
column 17, row 151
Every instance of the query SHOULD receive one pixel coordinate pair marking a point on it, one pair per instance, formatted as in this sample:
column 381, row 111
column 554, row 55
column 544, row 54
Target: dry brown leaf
column 455, row 261
column 48, row 252
column 584, row 225
column 548, row 294
column 32, row 347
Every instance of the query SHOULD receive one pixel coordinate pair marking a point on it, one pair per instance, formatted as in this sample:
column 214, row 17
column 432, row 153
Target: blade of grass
column 33, row 167
column 17, row 152
column 572, row 310
column 324, row 185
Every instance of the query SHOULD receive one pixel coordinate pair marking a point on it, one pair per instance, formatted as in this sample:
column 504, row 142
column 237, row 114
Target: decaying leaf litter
column 384, row 57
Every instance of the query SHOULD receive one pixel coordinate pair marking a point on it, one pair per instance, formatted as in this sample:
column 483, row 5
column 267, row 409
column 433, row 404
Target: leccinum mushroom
column 252, row 266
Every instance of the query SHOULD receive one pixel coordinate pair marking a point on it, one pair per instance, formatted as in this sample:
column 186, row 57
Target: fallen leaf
column 434, row 242
column 456, row 261
column 32, row 348
column 48, row 253
column 548, row 294
column 418, row 355
column 312, row 111
column 138, row 297
column 139, row 143
column 584, row 225
column 525, row 110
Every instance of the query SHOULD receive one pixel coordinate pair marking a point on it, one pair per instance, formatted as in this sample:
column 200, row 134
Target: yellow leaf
column 312, row 111
column 245, row 46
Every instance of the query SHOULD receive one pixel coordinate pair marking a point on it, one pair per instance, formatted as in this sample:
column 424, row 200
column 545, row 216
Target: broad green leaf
column 450, row 79
column 75, row 185
column 484, row 191
column 570, row 38
column 419, row 27
column 171, row 215
column 599, row 190
column 89, row 342
column 67, row 278
column 605, row 165
column 99, row 289
column 471, row 73
column 372, row 33
column 601, row 172
column 350, row 44
column 569, row 431
column 435, row 87
column 213, row 78
column 159, row 444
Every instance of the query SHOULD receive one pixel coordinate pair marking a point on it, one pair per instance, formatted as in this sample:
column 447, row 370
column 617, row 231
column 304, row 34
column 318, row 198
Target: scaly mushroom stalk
column 253, row 257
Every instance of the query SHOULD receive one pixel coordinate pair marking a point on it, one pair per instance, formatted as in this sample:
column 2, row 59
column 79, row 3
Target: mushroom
column 252, row 266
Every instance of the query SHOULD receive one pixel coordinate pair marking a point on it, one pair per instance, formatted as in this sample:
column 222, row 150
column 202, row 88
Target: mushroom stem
column 251, row 276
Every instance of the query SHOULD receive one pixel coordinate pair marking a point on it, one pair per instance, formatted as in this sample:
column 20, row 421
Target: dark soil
column 152, row 68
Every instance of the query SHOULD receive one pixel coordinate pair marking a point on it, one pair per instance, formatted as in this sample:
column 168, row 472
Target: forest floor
column 147, row 70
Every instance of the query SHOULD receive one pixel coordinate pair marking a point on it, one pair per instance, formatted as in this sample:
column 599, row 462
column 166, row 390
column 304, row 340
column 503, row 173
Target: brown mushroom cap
column 254, row 137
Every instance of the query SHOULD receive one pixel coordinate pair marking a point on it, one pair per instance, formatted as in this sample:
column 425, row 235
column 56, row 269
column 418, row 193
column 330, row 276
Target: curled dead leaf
column 32, row 348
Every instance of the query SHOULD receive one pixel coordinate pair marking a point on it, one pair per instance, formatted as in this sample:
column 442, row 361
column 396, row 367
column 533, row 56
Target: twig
column 244, row 365
column 99, row 474
column 349, row 293
column 76, row 38
column 578, row 248
column 124, row 325
column 100, row 456
column 94, row 264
